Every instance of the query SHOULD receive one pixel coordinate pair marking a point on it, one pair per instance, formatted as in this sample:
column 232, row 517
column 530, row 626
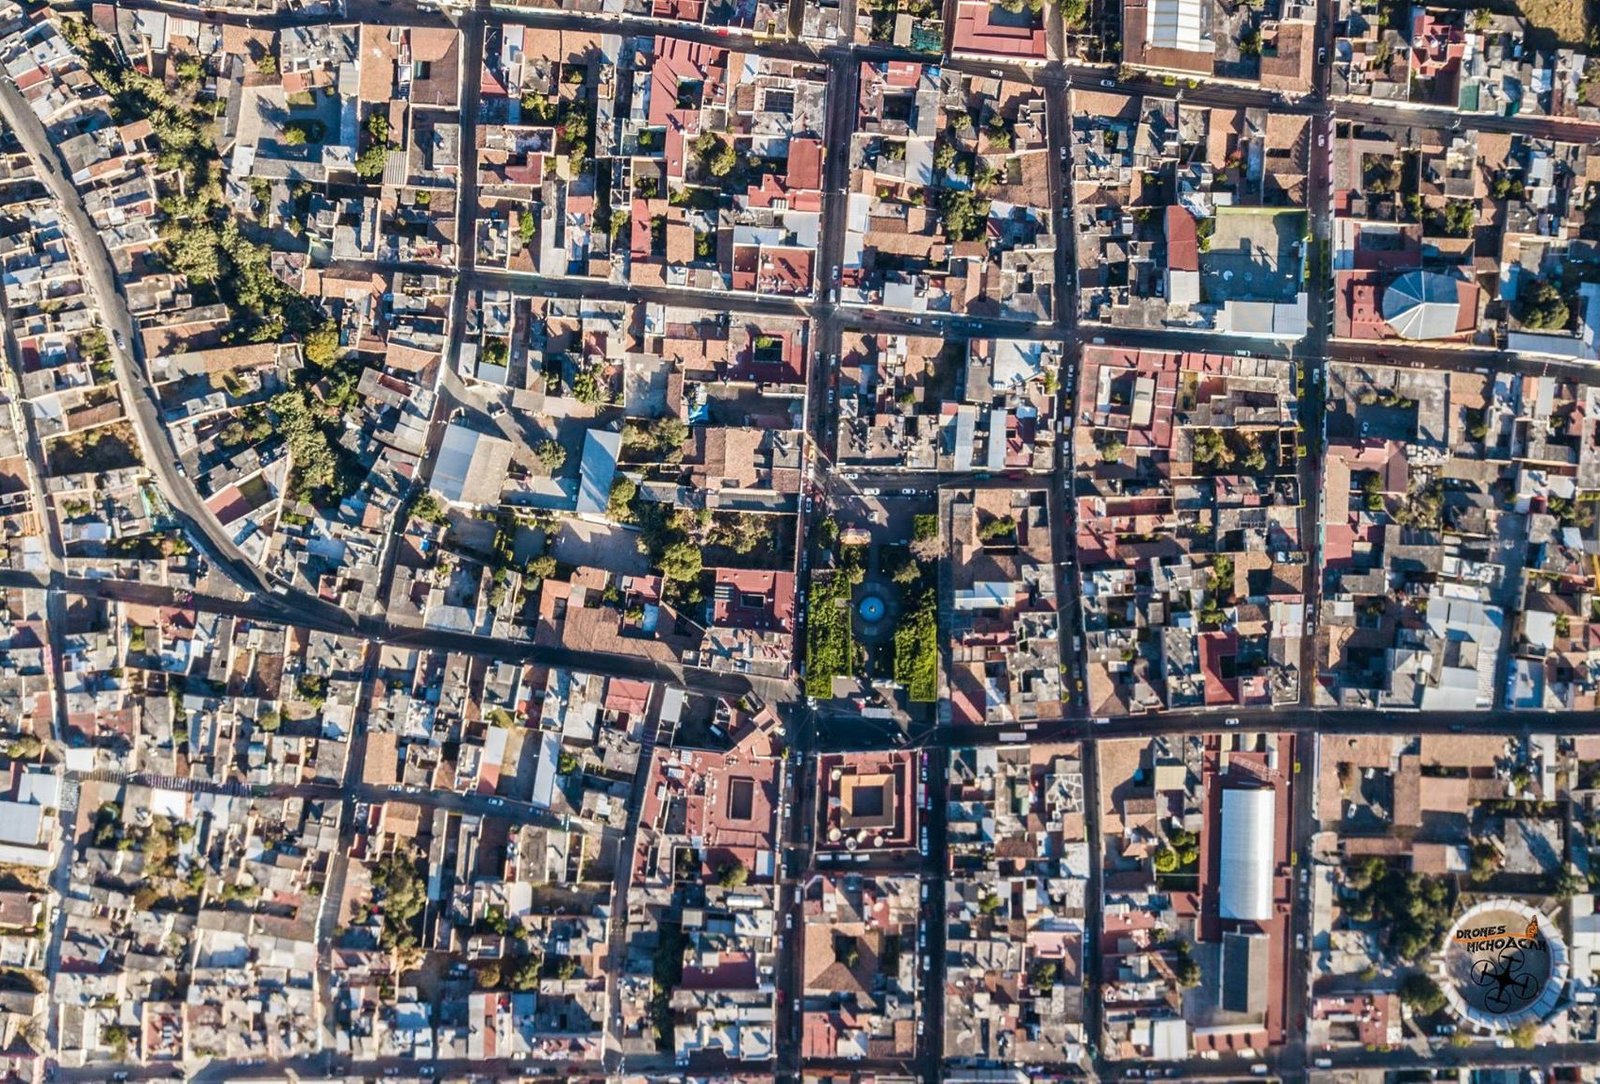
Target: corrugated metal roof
column 1248, row 836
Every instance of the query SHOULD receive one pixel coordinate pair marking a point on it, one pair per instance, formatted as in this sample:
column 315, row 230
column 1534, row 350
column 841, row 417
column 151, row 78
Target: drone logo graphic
column 1509, row 985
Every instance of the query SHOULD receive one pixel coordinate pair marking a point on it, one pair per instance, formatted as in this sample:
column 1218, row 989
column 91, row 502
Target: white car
column 1232, row 720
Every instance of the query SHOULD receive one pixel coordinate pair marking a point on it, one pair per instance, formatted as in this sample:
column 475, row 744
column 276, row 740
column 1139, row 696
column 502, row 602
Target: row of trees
column 916, row 650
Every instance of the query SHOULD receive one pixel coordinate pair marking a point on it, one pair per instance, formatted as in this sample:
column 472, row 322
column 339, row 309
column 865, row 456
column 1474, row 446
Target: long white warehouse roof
column 1248, row 835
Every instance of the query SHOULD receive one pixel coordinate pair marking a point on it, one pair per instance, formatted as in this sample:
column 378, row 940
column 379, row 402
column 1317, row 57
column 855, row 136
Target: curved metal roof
column 1249, row 832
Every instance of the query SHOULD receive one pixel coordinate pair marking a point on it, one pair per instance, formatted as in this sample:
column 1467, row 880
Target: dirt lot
column 1556, row 22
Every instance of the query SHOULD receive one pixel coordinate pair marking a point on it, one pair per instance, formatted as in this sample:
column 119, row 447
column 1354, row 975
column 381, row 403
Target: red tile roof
column 753, row 599
column 1183, row 241
column 805, row 164
column 977, row 32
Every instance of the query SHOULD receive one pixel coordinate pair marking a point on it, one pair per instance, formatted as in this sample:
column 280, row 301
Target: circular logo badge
column 1498, row 960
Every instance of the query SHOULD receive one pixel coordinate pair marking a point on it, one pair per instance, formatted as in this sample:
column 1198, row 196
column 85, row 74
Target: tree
column 495, row 921
column 619, row 223
column 1543, row 308
column 661, row 438
column 401, row 895
column 1525, row 1035
column 1250, row 43
column 1412, row 911
column 916, row 647
column 586, row 386
column 526, row 976
column 733, row 875
column 723, row 161
column 1485, row 860
column 370, row 162
column 681, row 562
column 1567, row 883
column 1421, row 994
column 488, row 976
column 1506, row 186
column 964, row 214
column 551, row 454
column 1254, row 458
column 117, row 1038
column 1211, row 449
column 619, row 506
column 195, row 253
column 1459, row 215
column 321, row 344
column 1001, row 527
column 315, row 465
column 739, row 531
column 1166, row 860
column 24, row 747
column 427, row 508
column 1184, row 968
